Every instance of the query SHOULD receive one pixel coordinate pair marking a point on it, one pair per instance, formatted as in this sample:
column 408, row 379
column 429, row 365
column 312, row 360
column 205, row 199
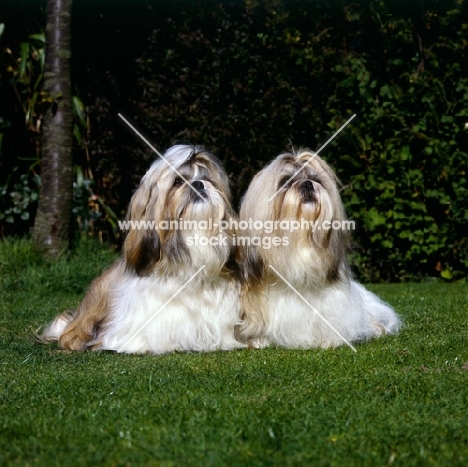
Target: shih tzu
column 297, row 289
column 173, row 288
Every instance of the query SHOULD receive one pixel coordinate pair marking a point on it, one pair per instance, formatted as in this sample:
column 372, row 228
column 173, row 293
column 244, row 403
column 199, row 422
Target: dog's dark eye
column 178, row 181
column 283, row 181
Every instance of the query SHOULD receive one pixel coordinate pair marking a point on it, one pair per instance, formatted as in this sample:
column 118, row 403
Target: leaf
column 446, row 119
column 77, row 134
column 38, row 37
column 79, row 175
column 405, row 153
column 446, row 274
column 24, row 55
column 78, row 110
column 387, row 91
column 374, row 218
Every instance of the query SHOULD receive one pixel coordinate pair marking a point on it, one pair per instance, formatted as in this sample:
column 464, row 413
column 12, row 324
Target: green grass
column 399, row 400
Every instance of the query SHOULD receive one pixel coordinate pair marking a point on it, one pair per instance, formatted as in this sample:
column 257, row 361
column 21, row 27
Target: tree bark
column 52, row 223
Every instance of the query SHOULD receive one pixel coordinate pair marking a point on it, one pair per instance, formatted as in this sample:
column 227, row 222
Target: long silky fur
column 143, row 302
column 314, row 263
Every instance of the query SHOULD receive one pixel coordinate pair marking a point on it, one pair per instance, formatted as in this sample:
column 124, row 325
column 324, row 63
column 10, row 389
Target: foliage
column 20, row 180
column 22, row 198
column 20, row 187
column 248, row 79
column 409, row 189
column 93, row 216
column 400, row 400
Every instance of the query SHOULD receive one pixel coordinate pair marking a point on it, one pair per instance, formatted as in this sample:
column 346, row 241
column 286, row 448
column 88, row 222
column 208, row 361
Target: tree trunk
column 52, row 223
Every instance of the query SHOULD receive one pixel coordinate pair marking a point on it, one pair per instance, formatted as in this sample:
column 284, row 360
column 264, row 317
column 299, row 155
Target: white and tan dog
column 298, row 291
column 169, row 291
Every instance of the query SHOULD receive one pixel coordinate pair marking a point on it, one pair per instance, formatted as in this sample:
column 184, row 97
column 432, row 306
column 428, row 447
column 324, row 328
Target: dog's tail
column 55, row 329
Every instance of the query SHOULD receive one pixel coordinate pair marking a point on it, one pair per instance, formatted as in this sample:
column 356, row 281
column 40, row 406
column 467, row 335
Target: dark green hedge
column 248, row 79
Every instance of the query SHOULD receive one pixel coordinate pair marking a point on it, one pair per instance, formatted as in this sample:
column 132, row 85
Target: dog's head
column 182, row 199
column 294, row 190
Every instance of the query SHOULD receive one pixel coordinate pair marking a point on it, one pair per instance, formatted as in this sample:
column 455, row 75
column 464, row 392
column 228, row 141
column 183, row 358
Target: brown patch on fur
column 83, row 332
column 254, row 313
column 142, row 251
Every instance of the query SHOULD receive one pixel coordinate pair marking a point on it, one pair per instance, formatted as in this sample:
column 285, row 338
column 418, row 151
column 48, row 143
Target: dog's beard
column 311, row 255
column 187, row 206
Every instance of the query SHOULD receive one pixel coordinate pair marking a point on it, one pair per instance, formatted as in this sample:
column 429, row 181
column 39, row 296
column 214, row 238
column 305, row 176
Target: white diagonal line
column 163, row 158
column 313, row 309
column 311, row 158
column 160, row 309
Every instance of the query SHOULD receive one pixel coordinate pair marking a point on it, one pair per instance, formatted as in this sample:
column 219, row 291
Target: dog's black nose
column 307, row 185
column 198, row 185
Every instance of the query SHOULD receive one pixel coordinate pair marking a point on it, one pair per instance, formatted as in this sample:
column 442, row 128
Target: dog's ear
column 333, row 244
column 255, row 269
column 233, row 264
column 142, row 250
column 251, row 267
column 338, row 247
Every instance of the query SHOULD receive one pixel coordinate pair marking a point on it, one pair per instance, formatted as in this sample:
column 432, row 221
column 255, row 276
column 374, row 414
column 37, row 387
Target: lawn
column 399, row 400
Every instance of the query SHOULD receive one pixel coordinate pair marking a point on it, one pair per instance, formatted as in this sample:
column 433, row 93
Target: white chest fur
column 335, row 315
column 158, row 315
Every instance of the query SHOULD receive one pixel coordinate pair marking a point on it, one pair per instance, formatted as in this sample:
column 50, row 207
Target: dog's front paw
column 258, row 343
